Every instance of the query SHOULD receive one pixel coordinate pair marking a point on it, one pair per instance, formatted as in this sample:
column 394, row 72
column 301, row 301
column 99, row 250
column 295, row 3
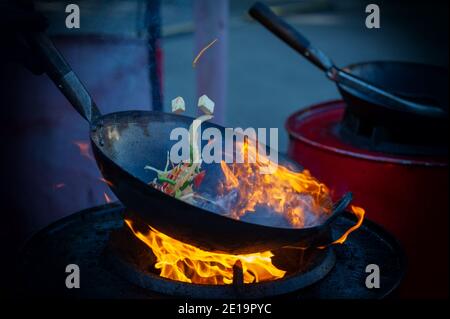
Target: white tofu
column 178, row 105
column 206, row 105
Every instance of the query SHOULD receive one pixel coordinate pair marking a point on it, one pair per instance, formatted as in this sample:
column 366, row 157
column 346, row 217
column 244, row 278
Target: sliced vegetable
column 180, row 180
column 166, row 180
column 199, row 178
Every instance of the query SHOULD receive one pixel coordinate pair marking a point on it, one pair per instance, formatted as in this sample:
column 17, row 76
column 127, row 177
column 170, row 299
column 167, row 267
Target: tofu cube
column 178, row 105
column 206, row 105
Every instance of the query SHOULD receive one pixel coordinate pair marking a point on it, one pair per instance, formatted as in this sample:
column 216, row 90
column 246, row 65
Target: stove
column 115, row 264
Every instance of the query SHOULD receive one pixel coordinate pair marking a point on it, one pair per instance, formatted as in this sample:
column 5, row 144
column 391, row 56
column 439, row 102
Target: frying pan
column 350, row 83
column 397, row 132
column 393, row 107
column 124, row 142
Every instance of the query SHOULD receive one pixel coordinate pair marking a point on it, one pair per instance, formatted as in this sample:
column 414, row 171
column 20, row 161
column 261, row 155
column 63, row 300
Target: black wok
column 408, row 132
column 364, row 88
column 393, row 107
column 124, row 142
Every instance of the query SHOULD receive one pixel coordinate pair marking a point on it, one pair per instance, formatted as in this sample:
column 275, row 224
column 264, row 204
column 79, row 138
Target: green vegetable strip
column 167, row 180
column 186, row 184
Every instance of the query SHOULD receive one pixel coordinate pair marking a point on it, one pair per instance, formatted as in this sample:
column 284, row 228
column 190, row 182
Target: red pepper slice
column 199, row 178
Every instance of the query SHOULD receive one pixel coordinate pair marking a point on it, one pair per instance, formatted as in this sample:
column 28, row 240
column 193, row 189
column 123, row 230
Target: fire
column 359, row 213
column 84, row 149
column 186, row 263
column 107, row 198
column 298, row 196
column 104, row 180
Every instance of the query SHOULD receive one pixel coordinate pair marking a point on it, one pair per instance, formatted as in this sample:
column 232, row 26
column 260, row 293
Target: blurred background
column 265, row 80
column 137, row 54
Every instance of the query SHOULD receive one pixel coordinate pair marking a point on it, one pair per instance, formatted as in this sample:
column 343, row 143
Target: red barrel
column 408, row 195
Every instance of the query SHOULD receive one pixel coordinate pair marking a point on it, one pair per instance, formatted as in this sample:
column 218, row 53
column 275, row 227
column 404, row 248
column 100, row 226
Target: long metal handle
column 289, row 35
column 63, row 76
column 339, row 208
column 301, row 44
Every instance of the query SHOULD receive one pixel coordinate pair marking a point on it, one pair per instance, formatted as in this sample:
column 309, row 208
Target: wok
column 124, row 142
column 366, row 89
column 409, row 133
column 393, row 107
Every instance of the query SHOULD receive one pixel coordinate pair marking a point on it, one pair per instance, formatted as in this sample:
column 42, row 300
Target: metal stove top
column 82, row 239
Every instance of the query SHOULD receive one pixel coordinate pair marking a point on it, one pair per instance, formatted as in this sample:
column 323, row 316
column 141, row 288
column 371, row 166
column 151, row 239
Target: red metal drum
column 408, row 195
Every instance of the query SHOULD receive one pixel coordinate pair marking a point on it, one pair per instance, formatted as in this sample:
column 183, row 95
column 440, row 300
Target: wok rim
column 437, row 70
column 398, row 62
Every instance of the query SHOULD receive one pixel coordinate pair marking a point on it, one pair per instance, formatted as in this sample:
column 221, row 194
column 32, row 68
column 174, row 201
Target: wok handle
column 339, row 208
column 263, row 14
column 63, row 76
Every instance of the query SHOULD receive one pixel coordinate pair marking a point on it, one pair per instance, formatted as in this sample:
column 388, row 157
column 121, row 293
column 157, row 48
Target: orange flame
column 299, row 197
column 107, row 198
column 104, row 180
column 184, row 262
column 359, row 213
column 84, row 149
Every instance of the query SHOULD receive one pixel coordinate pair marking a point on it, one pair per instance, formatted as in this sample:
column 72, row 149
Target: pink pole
column 211, row 22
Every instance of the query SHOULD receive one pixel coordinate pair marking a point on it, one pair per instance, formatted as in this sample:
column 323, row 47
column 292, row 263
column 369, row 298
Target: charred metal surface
column 82, row 239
